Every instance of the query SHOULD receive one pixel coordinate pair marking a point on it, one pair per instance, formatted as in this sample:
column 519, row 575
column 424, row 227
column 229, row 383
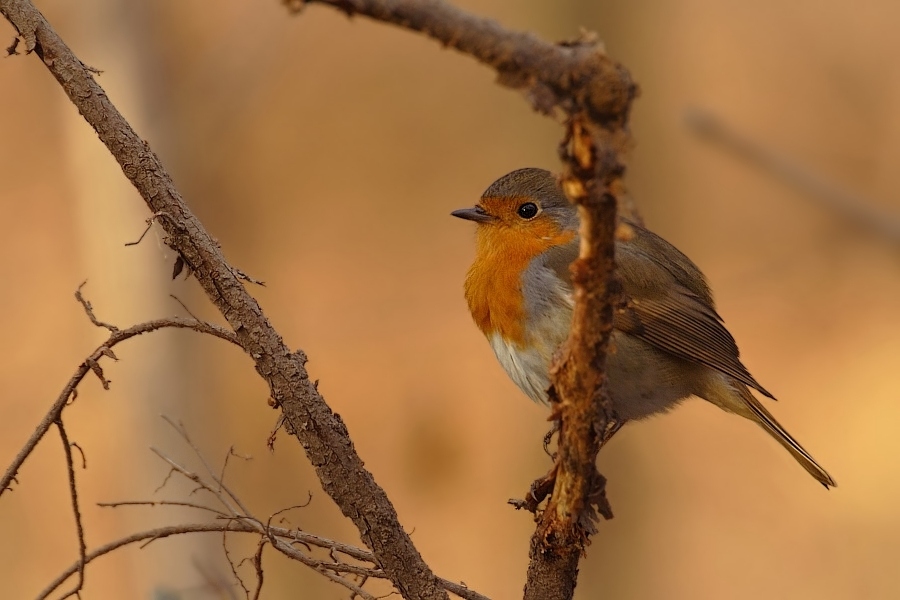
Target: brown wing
column 668, row 305
column 681, row 324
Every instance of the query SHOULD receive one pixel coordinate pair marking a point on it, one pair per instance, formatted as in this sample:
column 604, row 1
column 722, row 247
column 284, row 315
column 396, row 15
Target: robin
column 668, row 341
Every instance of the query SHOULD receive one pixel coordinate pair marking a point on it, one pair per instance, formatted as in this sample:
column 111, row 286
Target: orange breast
column 494, row 283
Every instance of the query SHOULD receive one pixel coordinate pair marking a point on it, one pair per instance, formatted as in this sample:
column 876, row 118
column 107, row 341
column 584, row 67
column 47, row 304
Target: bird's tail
column 752, row 409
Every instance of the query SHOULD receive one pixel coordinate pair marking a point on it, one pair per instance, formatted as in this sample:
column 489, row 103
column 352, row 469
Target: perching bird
column 668, row 343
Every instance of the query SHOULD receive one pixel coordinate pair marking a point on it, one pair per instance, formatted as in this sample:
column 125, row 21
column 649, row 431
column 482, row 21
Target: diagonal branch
column 568, row 75
column 322, row 434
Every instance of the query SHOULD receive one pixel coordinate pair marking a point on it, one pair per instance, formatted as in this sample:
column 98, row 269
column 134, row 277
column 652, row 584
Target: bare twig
column 257, row 565
column 154, row 503
column 146, row 230
column 233, row 511
column 81, row 452
column 235, row 526
column 73, row 494
column 150, row 221
column 219, row 480
column 153, row 534
column 183, row 305
column 69, row 391
column 848, row 204
column 231, row 565
column 316, row 565
column 90, row 310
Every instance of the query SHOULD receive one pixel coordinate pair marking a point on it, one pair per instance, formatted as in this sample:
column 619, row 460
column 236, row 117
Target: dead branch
column 235, row 519
column 144, row 536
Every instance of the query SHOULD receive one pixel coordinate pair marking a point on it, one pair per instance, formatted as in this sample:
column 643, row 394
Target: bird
column 668, row 342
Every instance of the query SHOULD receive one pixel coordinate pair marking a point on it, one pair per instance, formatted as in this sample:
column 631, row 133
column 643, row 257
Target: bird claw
column 539, row 490
column 548, row 437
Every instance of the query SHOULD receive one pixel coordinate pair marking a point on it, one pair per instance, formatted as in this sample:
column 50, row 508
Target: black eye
column 527, row 210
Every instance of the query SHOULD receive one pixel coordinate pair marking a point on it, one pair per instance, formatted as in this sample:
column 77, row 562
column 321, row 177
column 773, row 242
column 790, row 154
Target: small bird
column 668, row 341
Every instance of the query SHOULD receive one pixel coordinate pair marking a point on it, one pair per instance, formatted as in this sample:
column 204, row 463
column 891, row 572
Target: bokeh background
column 325, row 154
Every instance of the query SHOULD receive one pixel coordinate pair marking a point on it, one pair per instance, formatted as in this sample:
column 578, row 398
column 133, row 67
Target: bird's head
column 523, row 212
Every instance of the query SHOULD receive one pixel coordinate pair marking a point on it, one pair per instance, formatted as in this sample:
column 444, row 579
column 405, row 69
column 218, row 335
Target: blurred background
column 325, row 154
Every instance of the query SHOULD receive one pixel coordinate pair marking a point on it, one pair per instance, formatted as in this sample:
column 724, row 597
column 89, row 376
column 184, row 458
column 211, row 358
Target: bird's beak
column 476, row 213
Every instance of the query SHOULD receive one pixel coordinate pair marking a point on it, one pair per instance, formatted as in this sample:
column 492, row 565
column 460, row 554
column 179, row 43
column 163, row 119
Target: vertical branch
column 73, row 493
column 578, row 392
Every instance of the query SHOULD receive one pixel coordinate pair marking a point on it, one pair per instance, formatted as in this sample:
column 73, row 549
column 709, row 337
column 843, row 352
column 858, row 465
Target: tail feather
column 721, row 392
column 765, row 419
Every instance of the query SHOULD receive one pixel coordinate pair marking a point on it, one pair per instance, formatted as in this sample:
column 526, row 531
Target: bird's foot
column 548, row 437
column 540, row 489
column 613, row 425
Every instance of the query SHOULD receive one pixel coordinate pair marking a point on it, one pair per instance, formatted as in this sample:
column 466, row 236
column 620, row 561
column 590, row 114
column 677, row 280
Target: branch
column 91, row 363
column 578, row 376
column 570, row 76
column 234, row 527
column 73, row 493
column 151, row 535
column 236, row 518
column 322, row 434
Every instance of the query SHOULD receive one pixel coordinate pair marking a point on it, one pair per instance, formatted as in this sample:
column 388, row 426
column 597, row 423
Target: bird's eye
column 528, row 210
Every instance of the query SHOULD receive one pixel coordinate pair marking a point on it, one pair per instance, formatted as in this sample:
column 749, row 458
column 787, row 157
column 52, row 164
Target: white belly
column 638, row 387
column 526, row 367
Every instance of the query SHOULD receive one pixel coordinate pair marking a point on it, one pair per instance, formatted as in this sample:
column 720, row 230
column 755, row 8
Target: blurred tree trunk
column 126, row 285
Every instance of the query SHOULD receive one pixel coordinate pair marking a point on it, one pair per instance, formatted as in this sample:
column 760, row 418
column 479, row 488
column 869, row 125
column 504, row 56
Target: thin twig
column 183, row 305
column 179, row 428
column 141, row 239
column 73, row 494
column 257, row 565
column 90, row 310
column 68, row 391
column 192, row 476
column 155, row 503
column 232, row 566
column 237, row 526
column 281, row 537
column 316, row 565
column 153, row 534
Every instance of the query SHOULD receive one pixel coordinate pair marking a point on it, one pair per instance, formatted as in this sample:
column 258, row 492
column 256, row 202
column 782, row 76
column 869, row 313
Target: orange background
column 325, row 155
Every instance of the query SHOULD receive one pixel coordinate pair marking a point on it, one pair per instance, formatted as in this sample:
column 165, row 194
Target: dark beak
column 476, row 213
